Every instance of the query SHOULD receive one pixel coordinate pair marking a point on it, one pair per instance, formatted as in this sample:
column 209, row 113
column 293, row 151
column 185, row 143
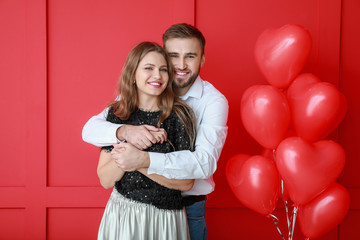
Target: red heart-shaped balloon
column 254, row 181
column 233, row 167
column 324, row 212
column 265, row 114
column 316, row 107
column 308, row 168
column 282, row 53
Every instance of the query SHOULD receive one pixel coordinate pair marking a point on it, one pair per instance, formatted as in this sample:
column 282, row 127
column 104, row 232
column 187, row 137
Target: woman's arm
column 123, row 149
column 182, row 185
column 107, row 170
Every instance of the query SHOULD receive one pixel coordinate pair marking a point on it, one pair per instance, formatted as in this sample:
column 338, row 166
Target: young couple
column 170, row 128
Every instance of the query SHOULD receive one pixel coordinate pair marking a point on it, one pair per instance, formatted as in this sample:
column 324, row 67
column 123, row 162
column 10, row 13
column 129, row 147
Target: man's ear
column 202, row 60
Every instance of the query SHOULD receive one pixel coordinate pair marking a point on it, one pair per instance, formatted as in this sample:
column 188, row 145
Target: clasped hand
column 129, row 155
column 142, row 136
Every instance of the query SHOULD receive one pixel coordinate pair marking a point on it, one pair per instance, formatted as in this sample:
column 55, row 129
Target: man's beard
column 190, row 81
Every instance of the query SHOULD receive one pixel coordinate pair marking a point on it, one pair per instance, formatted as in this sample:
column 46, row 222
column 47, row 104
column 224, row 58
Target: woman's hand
column 142, row 136
column 129, row 158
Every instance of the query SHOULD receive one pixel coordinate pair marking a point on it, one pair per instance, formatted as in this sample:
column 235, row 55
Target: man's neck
column 182, row 91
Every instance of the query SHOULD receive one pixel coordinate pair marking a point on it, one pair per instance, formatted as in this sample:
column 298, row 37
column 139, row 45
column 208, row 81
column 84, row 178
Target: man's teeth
column 181, row 73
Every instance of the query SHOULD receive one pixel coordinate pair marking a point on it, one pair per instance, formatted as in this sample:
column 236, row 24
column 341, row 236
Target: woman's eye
column 148, row 68
column 163, row 70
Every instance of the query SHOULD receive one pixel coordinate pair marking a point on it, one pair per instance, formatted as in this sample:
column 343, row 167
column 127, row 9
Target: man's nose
column 181, row 64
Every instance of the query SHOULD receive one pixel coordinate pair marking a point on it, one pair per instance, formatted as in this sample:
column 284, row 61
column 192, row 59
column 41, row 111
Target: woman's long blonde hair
column 167, row 101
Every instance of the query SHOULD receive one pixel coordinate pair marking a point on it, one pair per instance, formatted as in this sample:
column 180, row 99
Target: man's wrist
column 146, row 159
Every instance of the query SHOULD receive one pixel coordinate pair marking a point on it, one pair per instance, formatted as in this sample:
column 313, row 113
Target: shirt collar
column 195, row 91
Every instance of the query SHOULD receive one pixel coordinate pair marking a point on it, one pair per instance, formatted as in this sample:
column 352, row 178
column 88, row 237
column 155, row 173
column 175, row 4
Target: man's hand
column 129, row 158
column 142, row 136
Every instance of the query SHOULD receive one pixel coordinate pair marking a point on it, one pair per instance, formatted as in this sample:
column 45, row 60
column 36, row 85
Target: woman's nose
column 156, row 74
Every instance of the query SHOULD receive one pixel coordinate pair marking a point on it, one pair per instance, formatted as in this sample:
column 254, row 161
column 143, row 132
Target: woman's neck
column 148, row 104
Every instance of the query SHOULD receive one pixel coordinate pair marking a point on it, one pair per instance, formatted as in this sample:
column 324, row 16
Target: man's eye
column 173, row 56
column 190, row 56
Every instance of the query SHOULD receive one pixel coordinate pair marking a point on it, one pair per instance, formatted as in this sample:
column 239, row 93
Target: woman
column 145, row 206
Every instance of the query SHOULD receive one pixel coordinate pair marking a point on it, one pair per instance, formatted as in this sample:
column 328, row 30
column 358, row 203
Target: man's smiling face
column 186, row 57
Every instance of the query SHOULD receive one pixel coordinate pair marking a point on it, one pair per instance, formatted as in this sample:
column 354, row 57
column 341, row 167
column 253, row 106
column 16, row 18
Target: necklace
column 149, row 109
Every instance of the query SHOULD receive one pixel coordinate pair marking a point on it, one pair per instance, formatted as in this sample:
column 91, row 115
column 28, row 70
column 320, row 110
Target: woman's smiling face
column 151, row 75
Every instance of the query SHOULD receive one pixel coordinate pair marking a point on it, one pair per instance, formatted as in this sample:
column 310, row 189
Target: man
column 185, row 45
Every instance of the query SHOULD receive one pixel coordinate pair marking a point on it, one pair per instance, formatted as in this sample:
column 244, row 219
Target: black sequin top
column 135, row 185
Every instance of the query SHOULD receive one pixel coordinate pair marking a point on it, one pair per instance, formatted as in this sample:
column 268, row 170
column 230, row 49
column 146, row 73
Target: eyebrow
column 151, row 64
column 190, row 53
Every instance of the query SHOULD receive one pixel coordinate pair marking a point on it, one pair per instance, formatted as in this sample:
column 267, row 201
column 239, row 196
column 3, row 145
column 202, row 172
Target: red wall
column 349, row 129
column 59, row 66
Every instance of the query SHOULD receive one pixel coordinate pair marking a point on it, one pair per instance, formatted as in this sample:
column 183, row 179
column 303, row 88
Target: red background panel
column 348, row 226
column 73, row 223
column 13, row 24
column 60, row 63
column 350, row 85
column 13, row 220
column 349, row 130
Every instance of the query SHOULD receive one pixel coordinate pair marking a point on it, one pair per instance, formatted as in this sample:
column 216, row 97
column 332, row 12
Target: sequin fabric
column 135, row 185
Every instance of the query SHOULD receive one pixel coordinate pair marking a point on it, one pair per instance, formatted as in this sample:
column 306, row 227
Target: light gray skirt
column 126, row 219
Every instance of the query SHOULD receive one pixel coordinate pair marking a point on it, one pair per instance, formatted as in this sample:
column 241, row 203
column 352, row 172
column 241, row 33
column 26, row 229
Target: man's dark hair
column 184, row 30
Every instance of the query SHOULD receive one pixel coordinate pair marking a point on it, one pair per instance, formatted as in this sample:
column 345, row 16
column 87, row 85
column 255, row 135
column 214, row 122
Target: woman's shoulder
column 111, row 117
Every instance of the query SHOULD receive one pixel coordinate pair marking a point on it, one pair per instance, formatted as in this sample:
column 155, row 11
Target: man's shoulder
column 210, row 91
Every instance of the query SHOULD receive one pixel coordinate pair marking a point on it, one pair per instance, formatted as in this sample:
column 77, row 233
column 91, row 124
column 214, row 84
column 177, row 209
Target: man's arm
column 200, row 164
column 127, row 148
column 210, row 139
column 100, row 132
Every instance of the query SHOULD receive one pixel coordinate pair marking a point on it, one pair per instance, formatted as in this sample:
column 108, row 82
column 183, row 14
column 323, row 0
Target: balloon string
column 276, row 222
column 287, row 217
column 291, row 220
column 291, row 226
column 286, row 204
column 294, row 220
